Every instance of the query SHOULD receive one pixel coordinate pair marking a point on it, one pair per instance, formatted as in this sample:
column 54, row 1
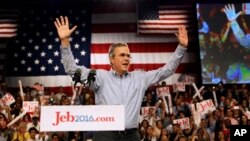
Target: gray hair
column 112, row 48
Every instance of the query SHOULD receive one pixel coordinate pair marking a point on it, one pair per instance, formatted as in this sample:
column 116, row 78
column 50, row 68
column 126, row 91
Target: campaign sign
column 179, row 86
column 162, row 91
column 82, row 118
column 7, row 100
column 30, row 106
column 184, row 123
column 239, row 132
column 145, row 110
column 204, row 107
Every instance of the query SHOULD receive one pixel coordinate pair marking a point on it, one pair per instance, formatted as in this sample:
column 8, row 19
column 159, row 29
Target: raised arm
column 64, row 32
column 62, row 26
column 239, row 34
column 154, row 76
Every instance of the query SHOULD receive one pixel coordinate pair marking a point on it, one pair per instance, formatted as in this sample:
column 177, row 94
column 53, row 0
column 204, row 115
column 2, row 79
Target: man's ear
column 111, row 60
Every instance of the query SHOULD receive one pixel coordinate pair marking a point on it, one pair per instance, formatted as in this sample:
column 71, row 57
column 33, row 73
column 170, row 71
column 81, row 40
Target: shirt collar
column 117, row 75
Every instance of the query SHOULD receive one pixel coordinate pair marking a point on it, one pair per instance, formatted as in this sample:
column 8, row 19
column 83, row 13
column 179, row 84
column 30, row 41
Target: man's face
column 121, row 60
column 32, row 134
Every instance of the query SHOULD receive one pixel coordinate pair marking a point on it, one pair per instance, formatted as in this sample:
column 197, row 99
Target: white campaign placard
column 145, row 111
column 7, row 99
column 30, row 106
column 162, row 91
column 184, row 123
column 204, row 107
column 179, row 87
column 82, row 118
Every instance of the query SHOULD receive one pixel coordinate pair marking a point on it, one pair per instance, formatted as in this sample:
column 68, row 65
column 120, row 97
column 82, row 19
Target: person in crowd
column 21, row 134
column 26, row 119
column 34, row 123
column 148, row 101
column 119, row 86
column 157, row 128
column 6, row 110
column 32, row 132
column 55, row 137
column 5, row 132
column 42, row 136
column 177, row 132
column 151, row 117
column 149, row 136
column 243, row 120
column 76, row 136
column 142, row 127
column 60, row 93
column 164, row 136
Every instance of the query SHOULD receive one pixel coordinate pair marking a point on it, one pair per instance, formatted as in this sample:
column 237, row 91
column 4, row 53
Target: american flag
column 113, row 24
column 156, row 18
column 33, row 51
column 34, row 55
column 8, row 29
column 8, row 22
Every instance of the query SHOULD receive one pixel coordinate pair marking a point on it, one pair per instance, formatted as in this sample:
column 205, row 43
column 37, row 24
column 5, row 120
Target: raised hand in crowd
column 230, row 12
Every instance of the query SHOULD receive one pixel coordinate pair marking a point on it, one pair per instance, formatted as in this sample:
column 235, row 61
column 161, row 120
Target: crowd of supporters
column 157, row 122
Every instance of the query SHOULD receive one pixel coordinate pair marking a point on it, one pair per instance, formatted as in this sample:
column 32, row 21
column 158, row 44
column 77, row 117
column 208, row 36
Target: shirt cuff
column 181, row 50
column 65, row 49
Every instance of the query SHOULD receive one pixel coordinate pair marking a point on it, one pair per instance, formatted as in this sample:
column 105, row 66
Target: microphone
column 77, row 76
column 91, row 77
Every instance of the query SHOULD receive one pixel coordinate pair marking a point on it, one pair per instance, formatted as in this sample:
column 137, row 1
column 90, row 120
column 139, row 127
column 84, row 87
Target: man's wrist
column 65, row 42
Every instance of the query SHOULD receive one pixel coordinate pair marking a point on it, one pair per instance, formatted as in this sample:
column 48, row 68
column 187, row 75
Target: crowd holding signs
column 164, row 109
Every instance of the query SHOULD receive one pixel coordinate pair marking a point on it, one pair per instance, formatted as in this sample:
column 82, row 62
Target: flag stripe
column 100, row 38
column 113, row 28
column 165, row 18
column 142, row 47
column 143, row 58
column 175, row 6
column 164, row 22
column 8, row 22
column 7, row 25
column 160, row 31
column 7, row 35
column 6, row 30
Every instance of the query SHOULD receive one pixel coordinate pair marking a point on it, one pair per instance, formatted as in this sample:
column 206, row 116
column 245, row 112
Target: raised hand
column 230, row 12
column 182, row 36
column 62, row 26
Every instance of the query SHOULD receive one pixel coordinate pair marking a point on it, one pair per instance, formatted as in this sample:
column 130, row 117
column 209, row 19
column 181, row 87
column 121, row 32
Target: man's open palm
column 62, row 26
column 182, row 36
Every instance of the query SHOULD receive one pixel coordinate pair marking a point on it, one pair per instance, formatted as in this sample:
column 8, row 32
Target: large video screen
column 224, row 42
